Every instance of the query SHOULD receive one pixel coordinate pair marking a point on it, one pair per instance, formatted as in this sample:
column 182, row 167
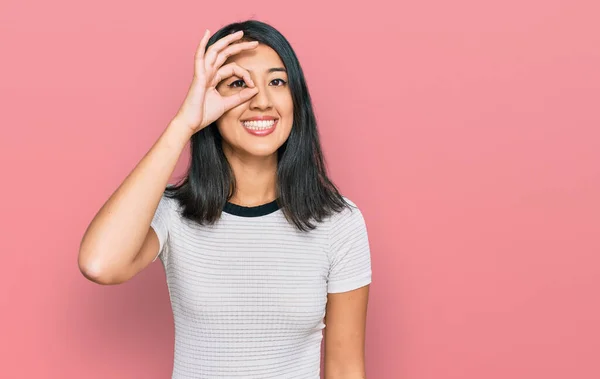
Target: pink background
column 467, row 131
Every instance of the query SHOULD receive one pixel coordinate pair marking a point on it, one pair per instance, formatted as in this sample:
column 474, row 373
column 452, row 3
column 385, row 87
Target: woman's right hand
column 203, row 103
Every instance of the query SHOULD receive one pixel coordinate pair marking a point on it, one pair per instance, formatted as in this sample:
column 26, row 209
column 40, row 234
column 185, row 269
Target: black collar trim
column 255, row 211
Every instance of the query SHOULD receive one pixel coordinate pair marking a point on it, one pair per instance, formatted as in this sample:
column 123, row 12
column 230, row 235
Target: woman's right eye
column 237, row 83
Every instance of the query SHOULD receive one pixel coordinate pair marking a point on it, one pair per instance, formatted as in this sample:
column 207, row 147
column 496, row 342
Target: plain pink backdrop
column 468, row 132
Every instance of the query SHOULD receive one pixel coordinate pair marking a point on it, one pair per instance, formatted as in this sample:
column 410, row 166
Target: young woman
column 261, row 252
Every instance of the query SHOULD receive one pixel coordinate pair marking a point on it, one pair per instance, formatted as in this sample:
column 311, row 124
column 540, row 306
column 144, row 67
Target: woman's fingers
column 202, row 46
column 229, row 70
column 238, row 98
column 232, row 50
column 213, row 51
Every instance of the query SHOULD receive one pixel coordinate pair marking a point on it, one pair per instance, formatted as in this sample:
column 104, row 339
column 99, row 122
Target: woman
column 261, row 252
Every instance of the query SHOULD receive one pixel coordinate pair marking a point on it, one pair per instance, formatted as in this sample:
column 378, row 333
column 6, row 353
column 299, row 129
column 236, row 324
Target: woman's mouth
column 260, row 128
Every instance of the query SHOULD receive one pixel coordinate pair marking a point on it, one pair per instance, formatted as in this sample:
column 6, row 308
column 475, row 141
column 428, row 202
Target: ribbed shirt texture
column 248, row 293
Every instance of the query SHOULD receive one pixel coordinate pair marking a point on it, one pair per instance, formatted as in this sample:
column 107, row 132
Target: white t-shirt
column 249, row 293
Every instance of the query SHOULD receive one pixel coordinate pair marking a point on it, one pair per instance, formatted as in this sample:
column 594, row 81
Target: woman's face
column 241, row 128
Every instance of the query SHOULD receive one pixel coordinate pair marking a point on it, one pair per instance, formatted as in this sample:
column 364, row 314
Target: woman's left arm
column 345, row 323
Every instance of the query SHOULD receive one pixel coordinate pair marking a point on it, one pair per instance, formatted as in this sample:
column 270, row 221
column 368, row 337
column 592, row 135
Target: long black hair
column 304, row 191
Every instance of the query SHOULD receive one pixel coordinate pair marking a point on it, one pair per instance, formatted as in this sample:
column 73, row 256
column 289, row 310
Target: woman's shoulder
column 169, row 203
column 350, row 212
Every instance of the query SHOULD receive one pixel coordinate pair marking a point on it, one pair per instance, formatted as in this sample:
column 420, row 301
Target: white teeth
column 259, row 125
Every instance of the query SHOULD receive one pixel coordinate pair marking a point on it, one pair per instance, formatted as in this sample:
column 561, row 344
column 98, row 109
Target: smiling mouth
column 260, row 128
column 259, row 125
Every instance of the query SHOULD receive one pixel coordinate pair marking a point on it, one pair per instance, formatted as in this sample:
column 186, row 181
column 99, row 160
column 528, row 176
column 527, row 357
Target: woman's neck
column 255, row 179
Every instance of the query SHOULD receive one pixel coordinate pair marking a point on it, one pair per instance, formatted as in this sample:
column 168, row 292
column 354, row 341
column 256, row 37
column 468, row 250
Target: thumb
column 240, row 97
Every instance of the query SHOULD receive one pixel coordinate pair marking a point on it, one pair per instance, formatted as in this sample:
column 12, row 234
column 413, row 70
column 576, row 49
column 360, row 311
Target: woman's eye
column 281, row 81
column 237, row 83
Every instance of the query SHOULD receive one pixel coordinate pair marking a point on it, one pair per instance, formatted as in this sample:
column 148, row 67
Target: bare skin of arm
column 345, row 322
column 119, row 242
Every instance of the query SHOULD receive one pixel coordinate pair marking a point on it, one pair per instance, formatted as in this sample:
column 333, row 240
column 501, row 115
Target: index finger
column 229, row 70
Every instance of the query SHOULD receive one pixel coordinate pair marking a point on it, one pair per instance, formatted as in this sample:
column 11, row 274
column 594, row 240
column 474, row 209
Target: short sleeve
column 349, row 252
column 160, row 223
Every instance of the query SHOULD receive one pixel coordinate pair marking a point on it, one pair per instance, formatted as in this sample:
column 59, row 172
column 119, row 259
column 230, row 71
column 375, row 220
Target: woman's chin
column 256, row 150
column 261, row 151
